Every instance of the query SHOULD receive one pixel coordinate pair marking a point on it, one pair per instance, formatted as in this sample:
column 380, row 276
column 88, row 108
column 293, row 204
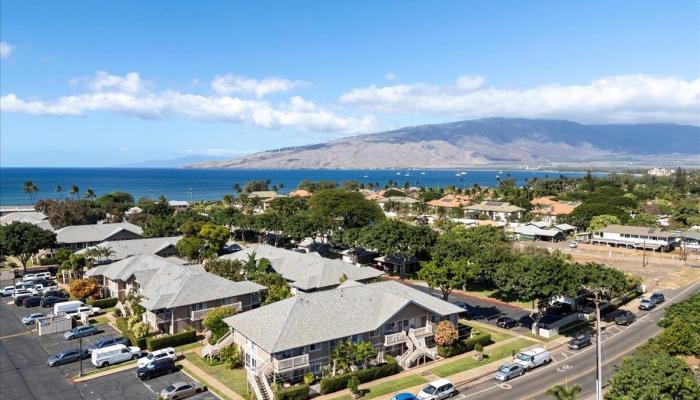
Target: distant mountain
column 486, row 142
column 174, row 162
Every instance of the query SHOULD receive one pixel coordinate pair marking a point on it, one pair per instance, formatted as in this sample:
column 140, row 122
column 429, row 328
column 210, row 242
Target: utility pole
column 80, row 373
column 599, row 368
column 190, row 192
column 644, row 253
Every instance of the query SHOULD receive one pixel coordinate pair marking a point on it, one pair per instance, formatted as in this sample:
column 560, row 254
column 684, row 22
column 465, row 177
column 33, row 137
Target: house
column 401, row 200
column 306, row 272
column 309, row 245
column 76, row 237
column 33, row 217
column 176, row 297
column 178, row 205
column 566, row 229
column 634, row 237
column 372, row 195
column 161, row 246
column 300, row 193
column 496, row 210
column 358, row 255
column 688, row 240
column 533, row 232
column 265, row 196
column 395, row 263
column 289, row 338
column 551, row 209
column 4, row 210
column 451, row 201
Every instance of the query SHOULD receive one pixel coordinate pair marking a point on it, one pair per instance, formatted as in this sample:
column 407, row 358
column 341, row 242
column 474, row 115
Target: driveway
column 125, row 386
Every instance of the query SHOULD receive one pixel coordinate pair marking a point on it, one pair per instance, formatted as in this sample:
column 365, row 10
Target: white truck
column 66, row 307
column 114, row 355
column 533, row 358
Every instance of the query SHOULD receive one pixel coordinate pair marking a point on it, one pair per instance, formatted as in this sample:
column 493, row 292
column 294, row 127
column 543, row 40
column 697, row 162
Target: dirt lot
column 663, row 271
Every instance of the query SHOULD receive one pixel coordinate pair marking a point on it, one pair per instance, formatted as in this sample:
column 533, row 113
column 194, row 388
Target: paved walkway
column 210, row 380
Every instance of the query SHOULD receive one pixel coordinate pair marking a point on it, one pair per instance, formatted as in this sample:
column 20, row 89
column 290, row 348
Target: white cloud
column 232, row 84
column 390, row 76
column 5, row 50
column 625, row 98
column 127, row 95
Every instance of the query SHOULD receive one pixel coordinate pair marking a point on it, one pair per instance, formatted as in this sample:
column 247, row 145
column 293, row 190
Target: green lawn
column 387, row 387
column 490, row 355
column 99, row 320
column 496, row 336
column 188, row 346
column 235, row 379
column 491, row 294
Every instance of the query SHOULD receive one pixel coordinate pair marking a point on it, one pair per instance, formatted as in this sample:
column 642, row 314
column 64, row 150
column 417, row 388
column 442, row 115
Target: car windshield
column 523, row 357
column 504, row 369
column 150, row 356
column 169, row 388
column 430, row 389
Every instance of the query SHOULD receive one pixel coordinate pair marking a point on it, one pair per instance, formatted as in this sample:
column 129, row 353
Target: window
column 227, row 301
column 356, row 338
column 374, row 333
column 333, row 343
column 314, row 347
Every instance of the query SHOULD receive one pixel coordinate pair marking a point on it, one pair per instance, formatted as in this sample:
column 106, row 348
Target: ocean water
column 209, row 184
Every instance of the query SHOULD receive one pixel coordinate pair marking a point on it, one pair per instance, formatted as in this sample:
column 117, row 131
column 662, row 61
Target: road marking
column 149, row 388
column 14, row 335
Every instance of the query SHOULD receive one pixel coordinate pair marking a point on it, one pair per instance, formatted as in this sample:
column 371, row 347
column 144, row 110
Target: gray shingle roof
column 637, row 230
column 332, row 314
column 93, row 233
column 306, row 271
column 494, row 206
column 165, row 284
column 127, row 248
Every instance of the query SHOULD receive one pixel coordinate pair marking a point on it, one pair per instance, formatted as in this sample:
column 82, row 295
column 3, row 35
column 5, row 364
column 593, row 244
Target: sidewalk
column 209, row 380
column 106, row 372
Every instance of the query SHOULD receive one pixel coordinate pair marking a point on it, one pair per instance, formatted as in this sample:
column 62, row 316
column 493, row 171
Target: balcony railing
column 155, row 319
column 394, row 338
column 423, row 331
column 197, row 315
column 289, row 364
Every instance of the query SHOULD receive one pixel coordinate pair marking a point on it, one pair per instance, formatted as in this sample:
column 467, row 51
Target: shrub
column 48, row 261
column 103, row 303
column 446, row 333
column 232, row 357
column 309, row 378
column 483, row 339
column 81, row 288
column 478, row 347
column 123, row 326
column 214, row 321
column 464, row 346
column 353, row 384
column 133, row 320
column 175, row 340
column 335, row 383
column 139, row 330
column 299, row 392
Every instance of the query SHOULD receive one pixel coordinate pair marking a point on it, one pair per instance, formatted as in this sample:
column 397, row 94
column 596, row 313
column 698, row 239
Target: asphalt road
column 578, row 367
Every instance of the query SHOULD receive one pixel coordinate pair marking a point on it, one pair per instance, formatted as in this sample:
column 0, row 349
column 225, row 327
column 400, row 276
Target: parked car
column 48, row 302
column 159, row 367
column 86, row 310
column 646, row 304
column 657, row 298
column 167, row 352
column 610, row 316
column 108, row 341
column 67, row 356
column 464, row 306
column 508, row 372
column 559, row 308
column 181, row 390
column 573, row 244
column 404, row 396
column 7, row 291
column 31, row 301
column 506, row 322
column 114, row 355
column 61, row 294
column 437, row 390
column 66, row 306
column 19, row 297
column 625, row 318
column 80, row 331
column 580, row 342
column 533, row 358
column 29, row 319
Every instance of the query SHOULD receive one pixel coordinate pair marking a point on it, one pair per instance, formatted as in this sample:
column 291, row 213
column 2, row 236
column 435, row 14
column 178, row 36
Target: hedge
column 47, row 261
column 335, row 383
column 103, row 303
column 464, row 346
column 122, row 325
column 177, row 339
column 299, row 392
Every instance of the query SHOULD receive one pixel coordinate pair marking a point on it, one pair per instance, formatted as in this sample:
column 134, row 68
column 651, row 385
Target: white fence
column 54, row 324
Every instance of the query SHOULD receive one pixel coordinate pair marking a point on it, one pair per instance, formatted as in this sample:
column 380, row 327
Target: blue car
column 67, row 356
column 404, row 396
column 80, row 331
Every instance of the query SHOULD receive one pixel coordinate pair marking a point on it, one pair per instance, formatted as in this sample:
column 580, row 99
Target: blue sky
column 116, row 82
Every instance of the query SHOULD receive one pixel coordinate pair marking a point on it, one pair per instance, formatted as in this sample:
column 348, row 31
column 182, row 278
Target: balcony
column 288, row 364
column 198, row 315
column 155, row 319
column 394, row 338
column 423, row 331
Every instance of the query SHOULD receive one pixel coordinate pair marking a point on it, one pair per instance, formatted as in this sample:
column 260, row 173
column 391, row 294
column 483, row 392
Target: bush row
column 299, row 392
column 123, row 327
column 48, row 261
column 335, row 383
column 103, row 303
column 175, row 340
column 463, row 346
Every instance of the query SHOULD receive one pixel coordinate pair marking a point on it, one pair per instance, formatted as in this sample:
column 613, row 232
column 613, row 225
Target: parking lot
column 25, row 375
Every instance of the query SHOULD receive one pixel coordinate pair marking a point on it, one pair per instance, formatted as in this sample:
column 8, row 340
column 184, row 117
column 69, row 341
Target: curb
column 103, row 373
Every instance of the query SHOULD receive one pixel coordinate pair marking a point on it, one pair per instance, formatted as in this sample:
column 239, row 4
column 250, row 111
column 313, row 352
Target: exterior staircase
column 213, row 350
column 257, row 379
column 417, row 347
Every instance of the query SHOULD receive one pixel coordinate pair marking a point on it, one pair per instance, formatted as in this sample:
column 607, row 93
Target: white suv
column 167, row 352
column 438, row 390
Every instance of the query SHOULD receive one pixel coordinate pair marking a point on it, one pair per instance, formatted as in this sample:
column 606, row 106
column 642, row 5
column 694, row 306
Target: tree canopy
column 349, row 209
column 23, row 240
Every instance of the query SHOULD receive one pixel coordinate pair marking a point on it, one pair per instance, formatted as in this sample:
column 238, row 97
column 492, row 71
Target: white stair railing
column 213, row 350
column 263, row 372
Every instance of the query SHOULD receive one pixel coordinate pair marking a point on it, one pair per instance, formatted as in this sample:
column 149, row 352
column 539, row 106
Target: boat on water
column 463, row 173
column 422, row 173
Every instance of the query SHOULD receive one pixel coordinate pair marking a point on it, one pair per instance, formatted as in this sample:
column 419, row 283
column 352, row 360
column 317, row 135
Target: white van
column 533, row 358
column 437, row 390
column 114, row 355
column 67, row 306
column 83, row 310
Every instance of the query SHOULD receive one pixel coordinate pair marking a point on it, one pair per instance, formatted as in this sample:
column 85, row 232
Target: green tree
column 679, row 338
column 649, row 375
column 31, row 189
column 67, row 212
column 288, row 206
column 232, row 357
column 160, row 226
column 23, row 240
column 645, row 219
column 90, row 194
column 349, row 209
column 215, row 236
column 191, row 247
column 232, row 270
column 257, row 186
column 448, row 275
column 214, row 321
column 681, row 180
column 304, row 224
column 561, row 392
column 601, row 221
column 74, row 191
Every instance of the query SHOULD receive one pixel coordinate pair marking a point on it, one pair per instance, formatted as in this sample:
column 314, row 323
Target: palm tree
column 31, row 189
column 561, row 392
column 59, row 190
column 237, row 188
column 90, row 194
column 106, row 252
column 74, row 190
column 227, row 200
